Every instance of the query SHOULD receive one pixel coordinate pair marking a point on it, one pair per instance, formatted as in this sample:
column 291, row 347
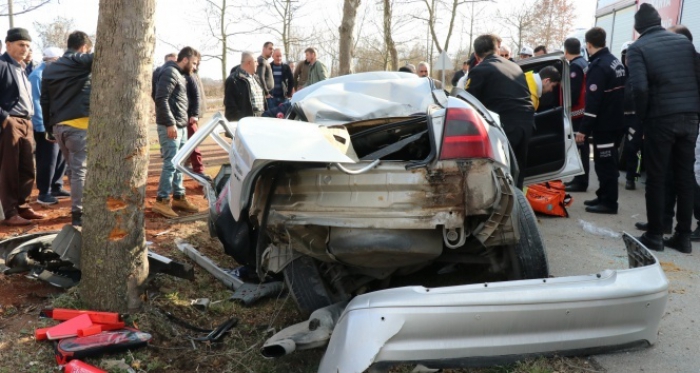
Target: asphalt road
column 574, row 251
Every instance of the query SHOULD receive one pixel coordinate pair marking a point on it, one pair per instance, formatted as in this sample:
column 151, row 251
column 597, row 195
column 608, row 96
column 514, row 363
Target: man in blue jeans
column 50, row 165
column 65, row 105
column 172, row 119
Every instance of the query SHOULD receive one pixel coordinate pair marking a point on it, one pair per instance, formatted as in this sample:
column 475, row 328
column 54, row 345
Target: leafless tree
column 114, row 262
column 222, row 15
column 388, row 38
column 438, row 7
column 55, row 33
column 521, row 21
column 285, row 13
column 16, row 7
column 347, row 37
column 554, row 22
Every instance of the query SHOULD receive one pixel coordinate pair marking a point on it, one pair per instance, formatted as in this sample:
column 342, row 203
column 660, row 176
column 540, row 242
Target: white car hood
column 364, row 96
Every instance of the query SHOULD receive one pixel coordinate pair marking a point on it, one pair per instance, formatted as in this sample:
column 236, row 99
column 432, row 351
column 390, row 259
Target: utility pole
column 10, row 13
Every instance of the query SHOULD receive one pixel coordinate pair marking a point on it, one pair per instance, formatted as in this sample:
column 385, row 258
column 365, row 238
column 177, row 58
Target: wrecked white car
column 377, row 176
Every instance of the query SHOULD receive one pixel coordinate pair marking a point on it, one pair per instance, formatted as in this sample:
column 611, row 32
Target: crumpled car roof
column 363, row 96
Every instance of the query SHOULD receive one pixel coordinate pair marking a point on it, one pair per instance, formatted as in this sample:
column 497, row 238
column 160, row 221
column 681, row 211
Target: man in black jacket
column 459, row 74
column 264, row 70
column 603, row 118
column 65, row 104
column 172, row 117
column 16, row 109
column 501, row 86
column 665, row 74
column 156, row 73
column 284, row 80
column 243, row 92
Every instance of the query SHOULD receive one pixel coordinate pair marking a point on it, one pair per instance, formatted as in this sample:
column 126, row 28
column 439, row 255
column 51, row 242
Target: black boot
column 680, row 242
column 576, row 187
column 602, row 209
column 77, row 219
column 630, row 185
column 695, row 236
column 652, row 241
column 591, row 202
column 644, row 226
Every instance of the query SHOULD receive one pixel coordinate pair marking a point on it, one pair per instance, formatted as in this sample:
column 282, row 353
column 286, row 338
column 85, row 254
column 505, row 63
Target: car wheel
column 528, row 258
column 307, row 286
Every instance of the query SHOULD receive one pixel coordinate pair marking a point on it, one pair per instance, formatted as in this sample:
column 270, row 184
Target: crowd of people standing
column 651, row 96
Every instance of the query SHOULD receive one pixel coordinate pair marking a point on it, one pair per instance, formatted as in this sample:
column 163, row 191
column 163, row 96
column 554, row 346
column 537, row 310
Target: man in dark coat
column 501, row 86
column 244, row 95
column 665, row 73
column 16, row 132
column 284, row 80
column 172, row 117
column 603, row 118
column 65, row 103
column 459, row 74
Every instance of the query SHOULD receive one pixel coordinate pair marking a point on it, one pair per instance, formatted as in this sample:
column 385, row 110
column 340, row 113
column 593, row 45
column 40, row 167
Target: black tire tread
column 306, row 285
column 530, row 251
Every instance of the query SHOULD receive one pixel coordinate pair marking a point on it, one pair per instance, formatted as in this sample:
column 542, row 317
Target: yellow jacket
column 532, row 85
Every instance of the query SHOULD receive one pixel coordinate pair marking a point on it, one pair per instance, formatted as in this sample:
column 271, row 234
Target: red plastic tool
column 77, row 366
column 69, row 328
column 99, row 328
column 63, row 314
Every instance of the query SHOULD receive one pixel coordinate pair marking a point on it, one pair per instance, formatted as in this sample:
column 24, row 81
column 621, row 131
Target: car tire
column 306, row 285
column 528, row 257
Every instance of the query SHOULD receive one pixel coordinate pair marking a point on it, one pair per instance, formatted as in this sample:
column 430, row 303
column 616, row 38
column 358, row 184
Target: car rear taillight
column 465, row 135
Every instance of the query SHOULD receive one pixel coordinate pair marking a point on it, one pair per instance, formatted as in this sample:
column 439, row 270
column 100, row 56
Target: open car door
column 552, row 152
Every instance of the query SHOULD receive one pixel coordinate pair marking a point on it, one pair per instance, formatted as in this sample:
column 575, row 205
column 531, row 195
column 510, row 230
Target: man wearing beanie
column 665, row 76
column 16, row 132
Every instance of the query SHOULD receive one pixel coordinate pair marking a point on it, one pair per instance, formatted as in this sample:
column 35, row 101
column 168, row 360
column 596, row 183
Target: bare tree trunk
column 113, row 261
column 471, row 31
column 10, row 11
column 287, row 27
column 388, row 39
column 347, row 37
column 224, row 44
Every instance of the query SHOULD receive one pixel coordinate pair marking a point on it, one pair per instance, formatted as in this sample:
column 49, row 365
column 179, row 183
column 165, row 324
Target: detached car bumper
column 499, row 322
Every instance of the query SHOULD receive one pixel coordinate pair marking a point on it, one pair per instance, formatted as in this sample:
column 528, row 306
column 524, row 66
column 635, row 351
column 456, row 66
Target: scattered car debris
column 314, row 333
column 206, row 263
column 213, row 335
column 614, row 310
column 54, row 257
column 246, row 292
column 249, row 293
column 598, row 231
column 201, row 303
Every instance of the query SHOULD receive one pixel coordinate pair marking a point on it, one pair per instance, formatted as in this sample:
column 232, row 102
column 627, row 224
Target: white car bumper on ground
column 480, row 324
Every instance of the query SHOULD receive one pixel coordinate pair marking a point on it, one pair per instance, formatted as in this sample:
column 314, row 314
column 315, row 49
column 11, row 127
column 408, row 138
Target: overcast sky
column 183, row 22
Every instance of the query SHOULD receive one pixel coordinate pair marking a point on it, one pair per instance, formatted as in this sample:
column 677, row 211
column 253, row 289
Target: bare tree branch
column 31, row 8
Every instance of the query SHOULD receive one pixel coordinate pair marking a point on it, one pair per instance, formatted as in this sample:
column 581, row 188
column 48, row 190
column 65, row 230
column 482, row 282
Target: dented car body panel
column 496, row 322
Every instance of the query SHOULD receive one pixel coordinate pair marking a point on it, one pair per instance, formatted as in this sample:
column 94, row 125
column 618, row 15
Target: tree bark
column 114, row 257
column 388, row 39
column 347, row 37
column 224, row 44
